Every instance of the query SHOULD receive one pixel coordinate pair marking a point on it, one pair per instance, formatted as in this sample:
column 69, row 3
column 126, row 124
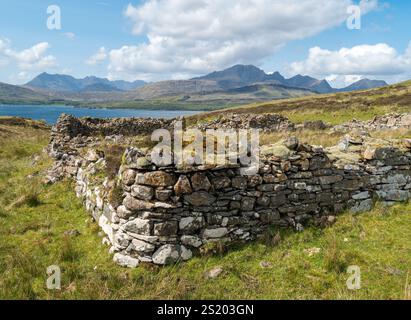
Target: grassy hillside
column 332, row 108
column 284, row 264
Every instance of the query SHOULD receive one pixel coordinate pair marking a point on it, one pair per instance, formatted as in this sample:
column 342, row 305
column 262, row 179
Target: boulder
column 125, row 261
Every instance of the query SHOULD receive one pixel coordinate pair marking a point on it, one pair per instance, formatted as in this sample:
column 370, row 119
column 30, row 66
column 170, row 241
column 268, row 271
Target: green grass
column 32, row 238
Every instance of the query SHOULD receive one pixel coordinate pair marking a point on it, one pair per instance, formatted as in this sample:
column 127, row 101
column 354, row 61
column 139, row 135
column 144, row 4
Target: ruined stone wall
column 165, row 214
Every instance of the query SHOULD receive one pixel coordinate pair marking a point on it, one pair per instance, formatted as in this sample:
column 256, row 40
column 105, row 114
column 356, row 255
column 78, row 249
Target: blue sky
column 177, row 39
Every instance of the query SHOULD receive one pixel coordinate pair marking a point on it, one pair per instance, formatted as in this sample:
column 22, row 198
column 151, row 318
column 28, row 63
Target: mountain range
column 239, row 84
column 66, row 83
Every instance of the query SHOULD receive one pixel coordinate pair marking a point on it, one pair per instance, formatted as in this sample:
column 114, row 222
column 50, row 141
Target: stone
column 142, row 163
column 394, row 195
column 167, row 254
column 159, row 179
column 142, row 192
column 266, row 265
column 125, row 261
column 254, row 181
column 128, row 177
column 215, row 233
column 123, row 212
column 182, row 186
column 291, row 143
column 138, row 226
column 277, row 150
column 213, row 273
column 330, row 179
column 191, row 224
column 192, row 241
column 221, row 183
column 247, row 204
column 166, row 229
column 163, row 195
column 369, row 153
column 72, row 233
column 142, row 246
column 92, row 155
column 200, row 199
column 239, row 183
column 362, row 206
column 269, row 216
column 361, row 196
column 199, row 181
column 134, row 204
column 185, row 254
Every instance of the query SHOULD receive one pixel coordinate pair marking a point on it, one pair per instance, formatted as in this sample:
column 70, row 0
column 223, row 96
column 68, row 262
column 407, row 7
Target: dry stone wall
column 166, row 214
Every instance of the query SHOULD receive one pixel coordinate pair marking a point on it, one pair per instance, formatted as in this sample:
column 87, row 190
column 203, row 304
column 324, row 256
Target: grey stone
column 138, row 226
column 142, row 192
column 191, row 224
column 167, row 254
column 215, row 233
column 125, row 261
column 192, row 241
column 142, row 246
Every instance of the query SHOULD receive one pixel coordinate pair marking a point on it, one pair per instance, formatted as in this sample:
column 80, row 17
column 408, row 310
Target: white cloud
column 196, row 36
column 98, row 57
column 349, row 64
column 33, row 58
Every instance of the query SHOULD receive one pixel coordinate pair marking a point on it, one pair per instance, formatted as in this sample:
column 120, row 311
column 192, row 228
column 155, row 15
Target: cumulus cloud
column 33, row 58
column 197, row 36
column 98, row 57
column 350, row 64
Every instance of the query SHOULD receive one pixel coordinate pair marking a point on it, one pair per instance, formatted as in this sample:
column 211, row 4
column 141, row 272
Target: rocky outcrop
column 386, row 122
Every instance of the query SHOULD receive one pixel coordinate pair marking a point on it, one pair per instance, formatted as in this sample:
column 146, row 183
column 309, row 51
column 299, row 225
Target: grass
column 307, row 265
column 332, row 108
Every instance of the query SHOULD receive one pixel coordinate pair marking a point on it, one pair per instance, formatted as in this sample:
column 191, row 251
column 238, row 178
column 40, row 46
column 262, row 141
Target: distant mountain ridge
column 245, row 75
column 66, row 83
column 364, row 84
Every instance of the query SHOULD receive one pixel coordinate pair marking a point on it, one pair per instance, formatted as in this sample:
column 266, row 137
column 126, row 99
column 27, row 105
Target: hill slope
column 12, row 94
column 333, row 108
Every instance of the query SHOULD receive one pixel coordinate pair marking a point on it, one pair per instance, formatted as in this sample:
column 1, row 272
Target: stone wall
column 165, row 214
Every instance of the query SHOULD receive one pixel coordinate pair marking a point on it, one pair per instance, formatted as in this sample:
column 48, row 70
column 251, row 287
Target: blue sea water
column 50, row 114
